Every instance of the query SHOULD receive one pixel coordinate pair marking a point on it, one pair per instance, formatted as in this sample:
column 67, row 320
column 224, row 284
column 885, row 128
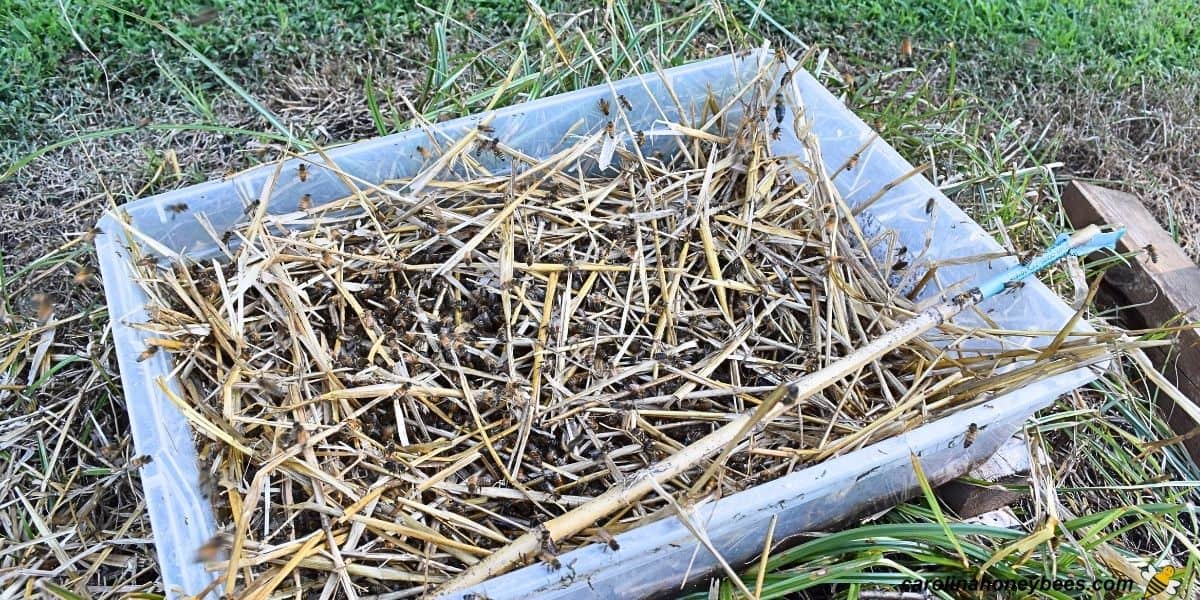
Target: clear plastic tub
column 653, row 558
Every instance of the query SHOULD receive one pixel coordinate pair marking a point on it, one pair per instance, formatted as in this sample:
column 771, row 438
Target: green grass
column 1036, row 39
column 48, row 48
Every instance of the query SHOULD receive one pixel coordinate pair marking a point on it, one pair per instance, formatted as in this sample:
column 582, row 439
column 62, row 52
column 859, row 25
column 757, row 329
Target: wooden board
column 1152, row 292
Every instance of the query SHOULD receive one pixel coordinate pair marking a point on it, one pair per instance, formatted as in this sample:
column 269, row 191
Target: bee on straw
column 84, row 274
column 625, row 102
column 488, row 129
column 149, row 261
column 640, row 136
column 604, row 106
column 302, row 172
column 45, row 306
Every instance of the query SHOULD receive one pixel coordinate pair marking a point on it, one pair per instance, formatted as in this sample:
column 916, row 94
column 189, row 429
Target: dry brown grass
column 71, row 509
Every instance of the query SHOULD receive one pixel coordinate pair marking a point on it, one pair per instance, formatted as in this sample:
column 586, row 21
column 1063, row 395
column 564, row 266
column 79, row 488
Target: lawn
column 104, row 104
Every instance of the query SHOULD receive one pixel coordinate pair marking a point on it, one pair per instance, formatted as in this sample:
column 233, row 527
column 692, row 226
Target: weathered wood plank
column 1161, row 285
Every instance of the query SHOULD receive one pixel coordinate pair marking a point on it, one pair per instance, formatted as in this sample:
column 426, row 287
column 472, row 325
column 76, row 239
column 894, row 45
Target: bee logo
column 1162, row 581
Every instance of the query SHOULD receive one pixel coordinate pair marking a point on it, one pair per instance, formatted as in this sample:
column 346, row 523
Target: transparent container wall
column 182, row 517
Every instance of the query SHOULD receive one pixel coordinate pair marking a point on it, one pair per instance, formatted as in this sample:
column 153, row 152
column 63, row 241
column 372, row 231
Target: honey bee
column 424, row 152
column 900, row 265
column 604, row 106
column 302, row 172
column 140, row 461
column 91, row 234
column 305, row 202
column 640, row 136
column 786, row 78
column 607, row 538
column 610, row 130
column 45, row 306
column 494, row 145
column 1013, row 285
column 149, row 261
column 929, row 206
column 762, row 113
column 777, row 133
column 177, row 208
column 550, row 560
column 780, row 55
column 253, row 206
column 624, row 102
column 969, row 438
column 473, row 484
column 852, row 162
column 779, row 108
column 488, row 129
column 84, row 274
column 1151, row 252
column 906, row 49
column 147, row 353
column 210, row 550
column 227, row 237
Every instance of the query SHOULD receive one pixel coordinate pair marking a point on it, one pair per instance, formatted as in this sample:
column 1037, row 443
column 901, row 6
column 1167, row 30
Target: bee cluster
column 435, row 378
